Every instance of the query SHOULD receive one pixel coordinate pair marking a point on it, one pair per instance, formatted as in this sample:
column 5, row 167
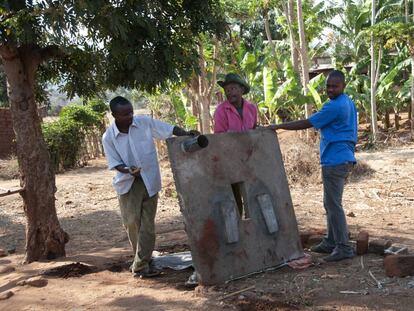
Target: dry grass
column 301, row 161
column 360, row 171
column 302, row 166
column 9, row 168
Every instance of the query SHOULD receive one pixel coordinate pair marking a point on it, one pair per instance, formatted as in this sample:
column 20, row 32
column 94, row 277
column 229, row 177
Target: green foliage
column 94, row 44
column 172, row 108
column 65, row 136
column 98, row 105
column 63, row 139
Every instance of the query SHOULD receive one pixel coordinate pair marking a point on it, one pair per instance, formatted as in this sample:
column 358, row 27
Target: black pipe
column 195, row 143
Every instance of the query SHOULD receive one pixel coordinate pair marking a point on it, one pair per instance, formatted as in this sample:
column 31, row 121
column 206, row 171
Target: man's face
column 334, row 87
column 234, row 92
column 123, row 115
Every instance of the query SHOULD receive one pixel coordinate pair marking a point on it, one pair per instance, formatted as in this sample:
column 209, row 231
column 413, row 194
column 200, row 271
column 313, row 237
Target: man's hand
column 193, row 133
column 178, row 131
column 134, row 171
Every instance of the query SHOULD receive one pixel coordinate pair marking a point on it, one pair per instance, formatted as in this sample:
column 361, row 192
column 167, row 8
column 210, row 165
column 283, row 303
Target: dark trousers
column 333, row 178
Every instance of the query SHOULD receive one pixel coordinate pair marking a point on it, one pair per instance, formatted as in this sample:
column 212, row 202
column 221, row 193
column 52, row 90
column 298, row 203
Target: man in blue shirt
column 337, row 121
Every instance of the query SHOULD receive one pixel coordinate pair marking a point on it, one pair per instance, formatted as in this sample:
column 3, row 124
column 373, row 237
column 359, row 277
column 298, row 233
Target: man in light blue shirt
column 337, row 121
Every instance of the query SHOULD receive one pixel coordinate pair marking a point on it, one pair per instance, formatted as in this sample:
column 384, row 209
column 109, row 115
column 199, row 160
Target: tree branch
column 51, row 51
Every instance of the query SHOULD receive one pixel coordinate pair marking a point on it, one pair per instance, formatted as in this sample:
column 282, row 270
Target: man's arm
column 291, row 126
column 178, row 131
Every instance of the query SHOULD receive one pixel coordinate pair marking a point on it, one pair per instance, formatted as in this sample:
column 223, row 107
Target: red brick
column 399, row 265
column 362, row 243
column 311, row 237
column 314, row 239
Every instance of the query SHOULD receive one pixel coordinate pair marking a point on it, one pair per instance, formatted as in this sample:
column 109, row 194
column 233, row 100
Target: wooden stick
column 9, row 192
column 379, row 285
column 238, row 292
column 402, row 188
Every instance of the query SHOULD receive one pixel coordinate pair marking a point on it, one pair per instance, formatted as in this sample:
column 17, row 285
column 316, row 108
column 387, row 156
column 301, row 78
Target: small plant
column 65, row 136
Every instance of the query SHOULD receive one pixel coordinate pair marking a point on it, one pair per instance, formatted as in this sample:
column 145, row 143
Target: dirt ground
column 382, row 204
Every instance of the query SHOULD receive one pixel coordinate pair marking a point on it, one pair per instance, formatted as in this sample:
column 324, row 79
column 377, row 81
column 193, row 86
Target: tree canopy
column 102, row 43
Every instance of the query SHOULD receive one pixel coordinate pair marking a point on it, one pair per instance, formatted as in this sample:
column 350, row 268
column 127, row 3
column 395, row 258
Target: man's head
column 234, row 88
column 335, row 84
column 122, row 111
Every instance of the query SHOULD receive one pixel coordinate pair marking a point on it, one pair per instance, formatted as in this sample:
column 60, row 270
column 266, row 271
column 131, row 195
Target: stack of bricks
column 7, row 137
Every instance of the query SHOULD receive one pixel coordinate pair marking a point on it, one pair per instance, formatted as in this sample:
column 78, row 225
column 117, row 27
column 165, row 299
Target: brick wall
column 7, row 145
column 7, row 137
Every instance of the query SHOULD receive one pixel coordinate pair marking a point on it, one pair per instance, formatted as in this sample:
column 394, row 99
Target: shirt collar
column 228, row 105
column 116, row 130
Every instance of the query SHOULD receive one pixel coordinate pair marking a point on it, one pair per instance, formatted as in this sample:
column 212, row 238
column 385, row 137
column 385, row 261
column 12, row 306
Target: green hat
column 234, row 78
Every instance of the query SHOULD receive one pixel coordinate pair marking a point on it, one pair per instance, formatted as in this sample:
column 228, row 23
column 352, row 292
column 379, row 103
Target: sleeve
column 325, row 116
column 160, row 130
column 112, row 156
column 220, row 121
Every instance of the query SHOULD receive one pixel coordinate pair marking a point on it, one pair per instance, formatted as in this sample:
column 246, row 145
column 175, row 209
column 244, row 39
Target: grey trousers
column 333, row 178
column 138, row 216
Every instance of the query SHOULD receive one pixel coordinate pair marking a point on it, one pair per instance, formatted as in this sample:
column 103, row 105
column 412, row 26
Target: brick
column 311, row 237
column 315, row 239
column 399, row 265
column 378, row 246
column 304, row 237
column 362, row 243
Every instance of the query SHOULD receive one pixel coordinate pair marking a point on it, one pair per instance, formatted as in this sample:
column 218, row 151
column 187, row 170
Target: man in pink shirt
column 236, row 114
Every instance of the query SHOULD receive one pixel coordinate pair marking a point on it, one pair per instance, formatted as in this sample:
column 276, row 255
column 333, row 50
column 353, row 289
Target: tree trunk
column 397, row 119
column 374, row 124
column 294, row 55
column 267, row 28
column 412, row 96
column 45, row 239
column 387, row 119
column 203, row 92
column 304, row 56
column 193, row 97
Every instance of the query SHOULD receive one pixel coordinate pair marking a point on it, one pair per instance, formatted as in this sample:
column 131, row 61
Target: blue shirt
column 338, row 123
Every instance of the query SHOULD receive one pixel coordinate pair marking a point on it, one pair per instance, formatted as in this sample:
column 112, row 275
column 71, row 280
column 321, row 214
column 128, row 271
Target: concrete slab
column 230, row 239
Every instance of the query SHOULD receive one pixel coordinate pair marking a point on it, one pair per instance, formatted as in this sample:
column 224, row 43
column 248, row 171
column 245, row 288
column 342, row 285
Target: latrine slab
column 236, row 204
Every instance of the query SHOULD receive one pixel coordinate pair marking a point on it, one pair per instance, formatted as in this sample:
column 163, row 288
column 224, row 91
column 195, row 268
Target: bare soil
column 94, row 275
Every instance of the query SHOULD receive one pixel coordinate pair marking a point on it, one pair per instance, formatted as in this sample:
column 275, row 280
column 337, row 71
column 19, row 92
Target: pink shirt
column 227, row 119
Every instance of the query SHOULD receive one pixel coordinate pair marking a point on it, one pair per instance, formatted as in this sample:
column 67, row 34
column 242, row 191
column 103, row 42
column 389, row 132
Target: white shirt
column 137, row 149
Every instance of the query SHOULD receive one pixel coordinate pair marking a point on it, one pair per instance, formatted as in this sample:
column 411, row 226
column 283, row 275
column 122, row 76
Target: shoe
column 322, row 249
column 192, row 281
column 148, row 272
column 337, row 256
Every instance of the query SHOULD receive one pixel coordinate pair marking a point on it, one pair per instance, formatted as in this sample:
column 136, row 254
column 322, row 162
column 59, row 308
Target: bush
column 65, row 136
column 83, row 116
column 98, row 105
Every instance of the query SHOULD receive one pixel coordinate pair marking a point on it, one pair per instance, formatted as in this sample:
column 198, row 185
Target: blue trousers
column 333, row 178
